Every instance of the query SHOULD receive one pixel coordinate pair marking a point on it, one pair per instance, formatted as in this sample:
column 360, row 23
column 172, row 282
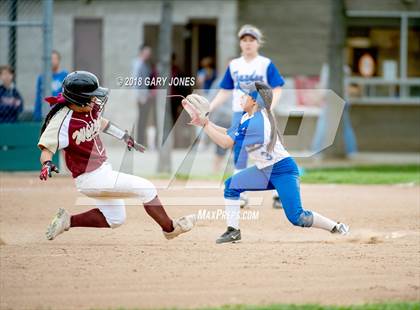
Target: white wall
column 123, row 28
column 123, row 22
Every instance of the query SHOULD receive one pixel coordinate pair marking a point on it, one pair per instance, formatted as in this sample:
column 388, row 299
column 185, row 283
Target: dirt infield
column 134, row 266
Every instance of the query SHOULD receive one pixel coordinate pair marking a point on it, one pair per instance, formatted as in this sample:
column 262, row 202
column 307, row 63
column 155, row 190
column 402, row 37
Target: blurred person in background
column 142, row 68
column 221, row 117
column 249, row 67
column 206, row 75
column 58, row 76
column 11, row 102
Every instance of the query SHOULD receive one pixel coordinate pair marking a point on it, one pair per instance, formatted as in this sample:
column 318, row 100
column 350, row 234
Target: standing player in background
column 57, row 78
column 73, row 125
column 222, row 116
column 256, row 133
column 250, row 67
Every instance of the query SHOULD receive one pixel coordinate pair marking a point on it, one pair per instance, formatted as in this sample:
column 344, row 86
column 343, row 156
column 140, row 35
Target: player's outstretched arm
column 47, row 166
column 217, row 136
column 220, row 129
column 113, row 130
column 46, row 154
column 104, row 123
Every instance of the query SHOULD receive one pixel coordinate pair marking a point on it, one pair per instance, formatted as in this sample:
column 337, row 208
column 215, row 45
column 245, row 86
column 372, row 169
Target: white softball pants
column 108, row 187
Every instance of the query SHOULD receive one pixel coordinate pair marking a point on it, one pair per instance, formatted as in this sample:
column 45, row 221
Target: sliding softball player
column 250, row 67
column 73, row 125
column 256, row 133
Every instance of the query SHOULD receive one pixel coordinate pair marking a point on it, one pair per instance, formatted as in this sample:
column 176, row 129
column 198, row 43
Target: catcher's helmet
column 80, row 86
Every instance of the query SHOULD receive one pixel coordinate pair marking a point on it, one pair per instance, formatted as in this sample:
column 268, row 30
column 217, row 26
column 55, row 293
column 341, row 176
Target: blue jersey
column 239, row 71
column 57, row 79
column 252, row 135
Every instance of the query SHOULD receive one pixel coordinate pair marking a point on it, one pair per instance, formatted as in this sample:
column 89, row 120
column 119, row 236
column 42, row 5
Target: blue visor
column 250, row 90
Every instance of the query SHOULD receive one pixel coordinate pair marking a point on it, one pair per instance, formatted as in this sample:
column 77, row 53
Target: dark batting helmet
column 80, row 86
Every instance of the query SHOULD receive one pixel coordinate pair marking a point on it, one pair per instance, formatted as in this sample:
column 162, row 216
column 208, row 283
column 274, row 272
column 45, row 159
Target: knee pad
column 305, row 219
column 231, row 193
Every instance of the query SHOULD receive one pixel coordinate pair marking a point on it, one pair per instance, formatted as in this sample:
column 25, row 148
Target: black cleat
column 230, row 235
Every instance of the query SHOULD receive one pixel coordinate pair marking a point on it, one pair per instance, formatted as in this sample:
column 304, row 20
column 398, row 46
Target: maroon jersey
column 77, row 134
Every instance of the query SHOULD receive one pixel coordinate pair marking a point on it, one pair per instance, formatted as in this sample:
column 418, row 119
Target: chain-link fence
column 25, row 58
column 25, row 52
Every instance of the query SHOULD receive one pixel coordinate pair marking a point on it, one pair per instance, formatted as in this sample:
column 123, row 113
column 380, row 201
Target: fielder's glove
column 132, row 144
column 47, row 168
column 198, row 107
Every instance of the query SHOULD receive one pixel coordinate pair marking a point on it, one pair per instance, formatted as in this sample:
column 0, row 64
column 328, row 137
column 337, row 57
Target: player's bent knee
column 150, row 194
column 304, row 219
column 113, row 211
column 148, row 191
column 231, row 193
column 117, row 222
column 114, row 225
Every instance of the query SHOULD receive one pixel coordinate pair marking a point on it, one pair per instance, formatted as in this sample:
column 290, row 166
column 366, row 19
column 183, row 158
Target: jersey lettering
column 87, row 133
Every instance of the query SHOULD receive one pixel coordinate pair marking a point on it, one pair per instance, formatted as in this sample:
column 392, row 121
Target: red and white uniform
column 77, row 134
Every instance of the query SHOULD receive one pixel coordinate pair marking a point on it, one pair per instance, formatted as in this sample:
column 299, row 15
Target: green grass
column 385, row 306
column 379, row 174
column 379, row 306
column 364, row 175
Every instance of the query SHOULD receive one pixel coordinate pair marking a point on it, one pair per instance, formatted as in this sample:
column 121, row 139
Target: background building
column 104, row 36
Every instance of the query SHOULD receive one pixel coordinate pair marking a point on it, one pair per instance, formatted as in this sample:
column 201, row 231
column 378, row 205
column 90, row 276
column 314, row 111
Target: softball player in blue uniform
column 250, row 67
column 256, row 133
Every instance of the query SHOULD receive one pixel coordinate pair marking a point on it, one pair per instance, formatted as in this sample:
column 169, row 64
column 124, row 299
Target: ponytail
column 50, row 115
column 267, row 95
column 274, row 130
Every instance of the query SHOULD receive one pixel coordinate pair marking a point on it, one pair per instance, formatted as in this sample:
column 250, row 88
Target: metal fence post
column 163, row 109
column 12, row 11
column 403, row 54
column 47, row 48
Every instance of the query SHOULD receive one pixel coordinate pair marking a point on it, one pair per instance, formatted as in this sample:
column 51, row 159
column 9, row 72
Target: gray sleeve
column 143, row 72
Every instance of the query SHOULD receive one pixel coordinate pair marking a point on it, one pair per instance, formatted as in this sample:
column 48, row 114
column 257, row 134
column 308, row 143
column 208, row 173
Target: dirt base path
column 134, row 266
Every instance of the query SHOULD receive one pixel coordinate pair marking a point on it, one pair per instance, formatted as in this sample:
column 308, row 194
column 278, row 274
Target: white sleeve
column 63, row 134
column 54, row 136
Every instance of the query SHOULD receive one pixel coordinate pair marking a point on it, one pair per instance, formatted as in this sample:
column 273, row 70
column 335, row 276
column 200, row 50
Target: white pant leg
column 142, row 188
column 113, row 210
column 107, row 185
column 105, row 182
